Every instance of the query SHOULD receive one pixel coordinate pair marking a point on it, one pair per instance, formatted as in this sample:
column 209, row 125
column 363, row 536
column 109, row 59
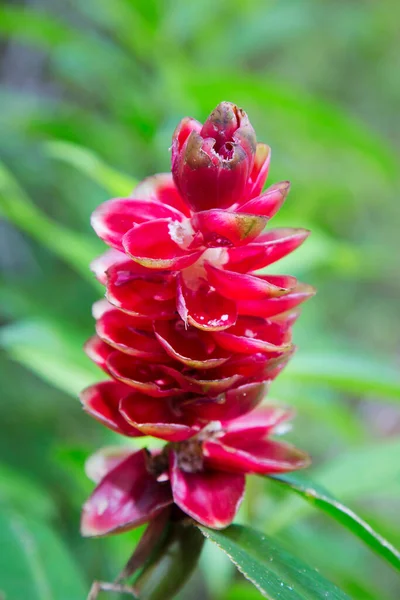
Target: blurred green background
column 90, row 92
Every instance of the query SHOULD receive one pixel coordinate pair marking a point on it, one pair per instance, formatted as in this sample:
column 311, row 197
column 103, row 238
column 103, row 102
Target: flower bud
column 211, row 164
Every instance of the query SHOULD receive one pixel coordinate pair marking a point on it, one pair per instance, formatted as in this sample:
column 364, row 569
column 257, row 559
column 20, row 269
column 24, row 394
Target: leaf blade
column 91, row 165
column 318, row 496
column 50, row 353
column 16, row 206
column 36, row 564
column 376, row 466
column 273, row 571
column 347, row 373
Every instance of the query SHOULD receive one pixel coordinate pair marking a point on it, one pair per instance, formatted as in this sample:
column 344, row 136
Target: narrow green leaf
column 34, row 563
column 276, row 574
column 50, row 354
column 18, row 208
column 352, row 475
column 319, row 497
column 347, row 372
column 91, row 165
column 32, row 26
column 16, row 487
column 325, row 406
column 367, row 470
column 241, row 590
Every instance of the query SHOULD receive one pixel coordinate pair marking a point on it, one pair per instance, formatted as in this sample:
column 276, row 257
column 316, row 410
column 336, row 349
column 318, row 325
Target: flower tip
column 83, row 396
column 87, row 527
column 307, row 290
column 284, row 186
column 224, row 120
column 305, row 233
column 304, row 460
column 182, row 131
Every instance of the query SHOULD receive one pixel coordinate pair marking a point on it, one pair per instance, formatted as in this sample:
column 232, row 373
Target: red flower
column 192, row 241
column 190, row 333
column 204, row 476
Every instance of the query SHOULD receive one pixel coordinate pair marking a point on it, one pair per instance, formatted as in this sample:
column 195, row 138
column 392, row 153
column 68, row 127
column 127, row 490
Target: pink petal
column 212, row 498
column 248, row 287
column 203, row 307
column 253, row 334
column 267, row 249
column 190, row 346
column 256, row 366
column 114, row 218
column 209, row 382
column 101, row 401
column 181, row 134
column 259, row 172
column 254, row 456
column 157, row 417
column 140, row 292
column 152, row 245
column 125, row 333
column 226, row 123
column 257, row 423
column 269, row 202
column 98, row 351
column 159, row 285
column 127, row 497
column 150, row 379
column 229, row 405
column 221, row 228
column 275, row 306
column 100, row 265
column 211, row 387
column 208, row 176
column 161, row 188
column 100, row 307
column 287, row 319
column 105, row 460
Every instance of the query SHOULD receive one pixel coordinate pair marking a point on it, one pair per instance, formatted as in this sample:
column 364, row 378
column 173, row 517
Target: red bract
column 202, row 266
column 194, row 240
column 212, row 163
column 191, row 333
column 150, row 405
column 204, row 476
column 127, row 496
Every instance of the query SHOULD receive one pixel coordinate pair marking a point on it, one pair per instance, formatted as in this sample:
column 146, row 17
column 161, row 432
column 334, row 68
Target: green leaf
column 325, row 407
column 275, row 573
column 18, row 208
column 319, row 497
column 34, row 27
column 88, row 163
column 15, row 488
column 240, row 591
column 347, row 372
column 50, row 353
column 368, row 470
column 351, row 475
column 34, row 563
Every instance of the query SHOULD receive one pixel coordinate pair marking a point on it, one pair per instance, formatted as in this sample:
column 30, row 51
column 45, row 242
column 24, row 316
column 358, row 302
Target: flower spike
column 192, row 332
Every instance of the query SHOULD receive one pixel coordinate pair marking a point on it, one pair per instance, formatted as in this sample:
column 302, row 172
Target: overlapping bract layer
column 190, row 333
column 204, row 476
column 201, row 265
